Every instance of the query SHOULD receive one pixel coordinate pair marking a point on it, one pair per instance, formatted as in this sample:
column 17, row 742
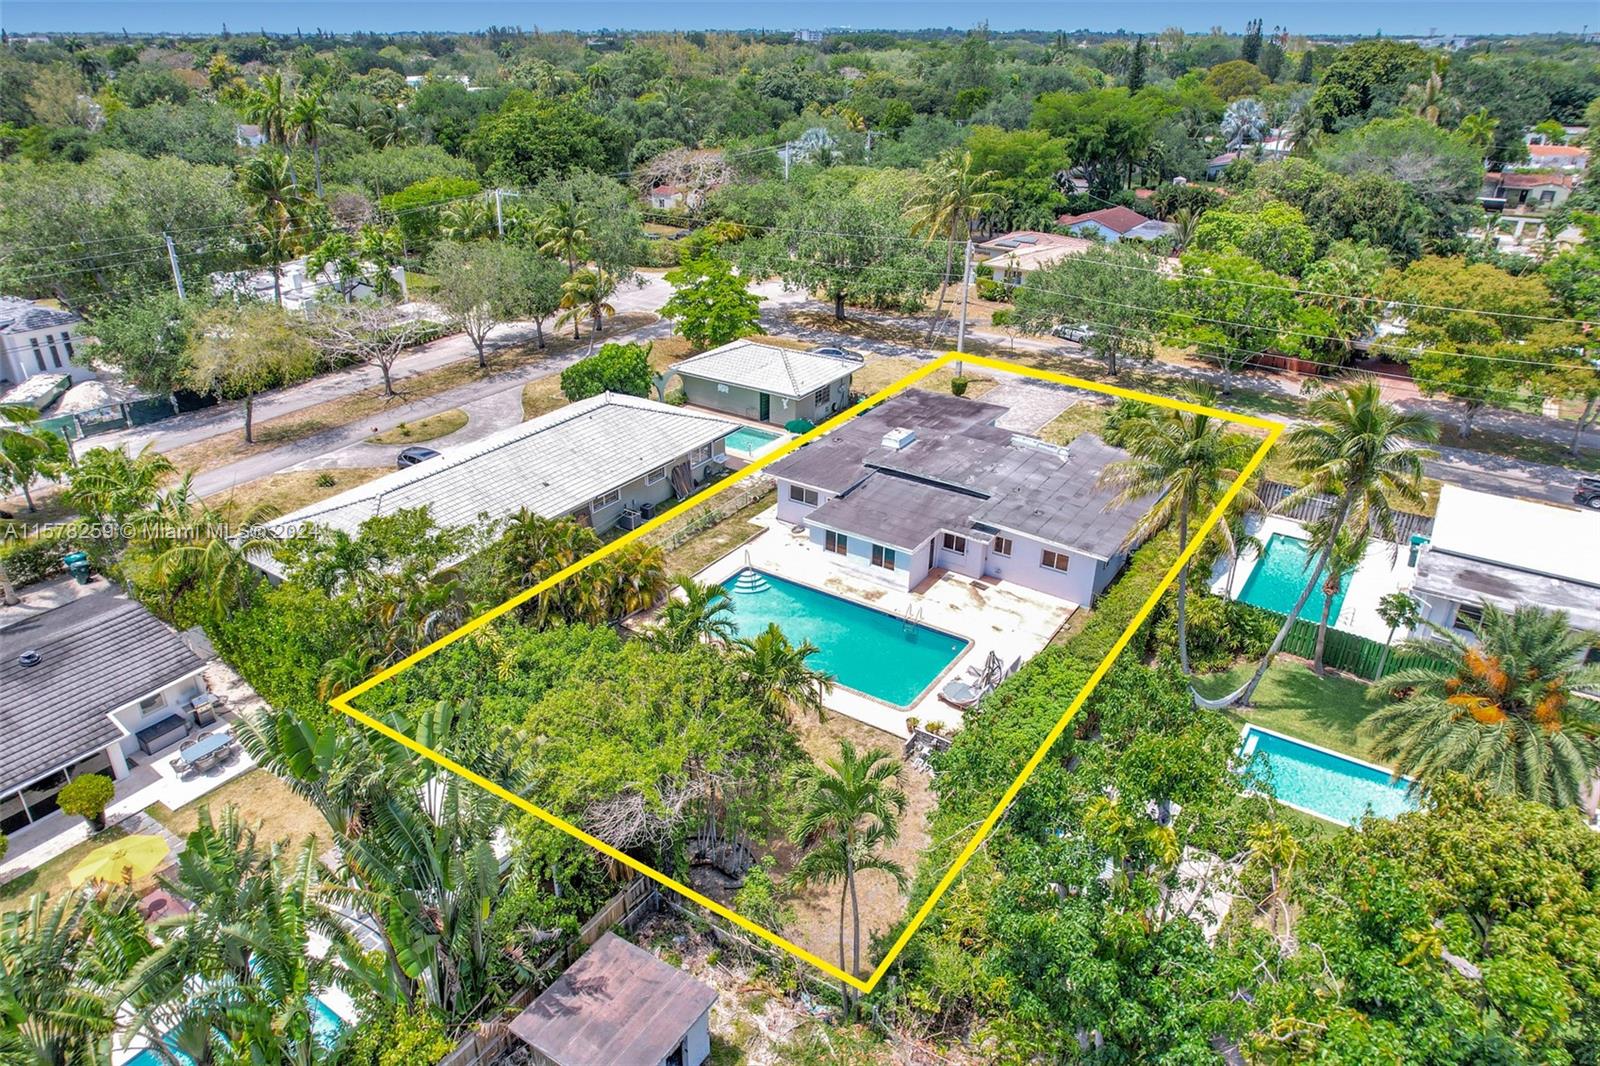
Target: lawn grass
column 51, row 878
column 423, row 429
column 1329, row 711
column 278, row 494
column 542, row 396
column 700, row 551
column 1082, row 417
column 1528, row 449
column 262, row 799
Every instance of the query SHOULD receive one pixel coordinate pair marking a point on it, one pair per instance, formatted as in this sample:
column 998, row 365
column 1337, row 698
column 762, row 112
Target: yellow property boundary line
column 343, row 702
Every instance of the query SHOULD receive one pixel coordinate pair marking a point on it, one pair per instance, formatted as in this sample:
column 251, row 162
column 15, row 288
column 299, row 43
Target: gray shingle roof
column 24, row 316
column 551, row 465
column 961, row 472
column 768, row 368
column 1463, row 579
column 97, row 653
column 617, row 1004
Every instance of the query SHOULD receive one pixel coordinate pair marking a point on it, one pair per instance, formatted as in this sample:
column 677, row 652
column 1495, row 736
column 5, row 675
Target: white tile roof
column 768, row 368
column 1526, row 534
column 551, row 465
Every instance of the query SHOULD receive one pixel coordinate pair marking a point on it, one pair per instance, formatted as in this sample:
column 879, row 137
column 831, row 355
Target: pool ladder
column 911, row 620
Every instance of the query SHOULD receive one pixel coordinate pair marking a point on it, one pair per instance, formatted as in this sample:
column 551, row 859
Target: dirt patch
column 281, row 493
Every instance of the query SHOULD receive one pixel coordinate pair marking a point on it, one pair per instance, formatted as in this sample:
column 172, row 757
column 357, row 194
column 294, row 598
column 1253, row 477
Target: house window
column 803, row 495
column 883, row 557
column 837, row 543
column 38, row 353
column 700, row 455
column 600, row 503
column 1001, row 546
column 656, row 476
column 1468, row 616
column 1547, row 197
column 55, row 356
column 822, row 395
column 66, row 342
column 953, row 543
column 150, row 703
column 1052, row 560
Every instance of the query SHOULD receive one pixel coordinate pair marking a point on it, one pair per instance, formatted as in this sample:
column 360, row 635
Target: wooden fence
column 1273, row 493
column 638, row 900
column 703, row 516
column 1351, row 653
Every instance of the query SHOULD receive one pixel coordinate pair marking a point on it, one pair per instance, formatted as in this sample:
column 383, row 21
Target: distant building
column 1013, row 255
column 249, row 135
column 35, row 339
column 619, row 1004
column 299, row 289
column 808, row 36
column 1524, row 192
column 1113, row 224
column 1557, row 157
column 667, row 197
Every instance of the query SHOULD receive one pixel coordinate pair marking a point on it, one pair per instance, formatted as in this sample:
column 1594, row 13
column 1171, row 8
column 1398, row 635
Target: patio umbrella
column 799, row 425
column 134, row 856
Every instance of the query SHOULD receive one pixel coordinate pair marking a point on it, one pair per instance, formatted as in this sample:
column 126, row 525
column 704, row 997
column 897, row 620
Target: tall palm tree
column 1184, row 220
column 193, row 546
column 1272, row 846
column 1244, row 122
column 1427, row 99
column 946, row 201
column 562, row 230
column 109, row 484
column 1503, row 708
column 701, row 612
column 597, row 79
column 779, row 675
column 849, row 809
column 309, row 119
column 587, row 292
column 1365, row 454
column 1478, row 129
column 25, row 454
column 1187, row 460
column 468, row 220
column 1348, row 550
column 269, row 106
column 277, row 210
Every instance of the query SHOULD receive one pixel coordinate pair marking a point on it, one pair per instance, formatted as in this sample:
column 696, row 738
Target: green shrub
column 398, row 1038
column 40, row 556
column 958, row 386
column 87, row 796
column 662, row 254
column 1220, row 631
column 677, row 397
column 994, row 291
column 5, row 845
column 623, row 368
column 325, row 480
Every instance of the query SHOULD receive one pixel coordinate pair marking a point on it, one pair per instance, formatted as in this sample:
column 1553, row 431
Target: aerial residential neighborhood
column 643, row 534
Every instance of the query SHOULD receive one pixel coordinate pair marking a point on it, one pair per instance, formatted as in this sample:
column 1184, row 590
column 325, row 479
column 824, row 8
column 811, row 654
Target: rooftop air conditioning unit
column 899, row 438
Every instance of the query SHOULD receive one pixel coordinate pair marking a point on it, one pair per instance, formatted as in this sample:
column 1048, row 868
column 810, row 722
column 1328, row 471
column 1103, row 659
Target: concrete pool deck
column 1011, row 621
column 1384, row 569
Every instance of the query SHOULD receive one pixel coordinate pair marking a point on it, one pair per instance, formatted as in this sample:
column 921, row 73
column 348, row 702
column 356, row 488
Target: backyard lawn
column 261, row 797
column 51, row 878
column 423, row 429
column 1293, row 700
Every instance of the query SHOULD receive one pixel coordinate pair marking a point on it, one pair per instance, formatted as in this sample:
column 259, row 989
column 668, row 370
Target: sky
column 1393, row 18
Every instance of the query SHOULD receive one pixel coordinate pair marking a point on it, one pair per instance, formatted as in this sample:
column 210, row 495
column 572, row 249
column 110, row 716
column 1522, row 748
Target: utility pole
column 869, row 144
column 785, row 154
column 172, row 257
column 499, row 216
column 966, row 286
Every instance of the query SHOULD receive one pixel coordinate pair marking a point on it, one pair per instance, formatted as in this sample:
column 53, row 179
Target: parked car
column 1588, row 492
column 414, row 455
column 1072, row 333
column 837, row 353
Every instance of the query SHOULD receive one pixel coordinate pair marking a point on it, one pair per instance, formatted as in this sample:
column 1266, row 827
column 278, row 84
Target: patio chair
column 961, row 694
column 206, row 763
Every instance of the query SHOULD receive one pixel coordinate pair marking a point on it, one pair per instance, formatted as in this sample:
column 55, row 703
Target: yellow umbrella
column 133, row 856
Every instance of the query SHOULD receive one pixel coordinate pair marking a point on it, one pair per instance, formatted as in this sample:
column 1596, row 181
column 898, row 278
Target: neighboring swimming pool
column 1322, row 782
column 1280, row 575
column 747, row 440
column 325, row 1026
column 870, row 651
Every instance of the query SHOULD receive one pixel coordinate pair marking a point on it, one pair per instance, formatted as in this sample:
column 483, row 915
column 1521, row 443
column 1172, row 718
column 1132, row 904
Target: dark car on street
column 1588, row 492
column 414, row 455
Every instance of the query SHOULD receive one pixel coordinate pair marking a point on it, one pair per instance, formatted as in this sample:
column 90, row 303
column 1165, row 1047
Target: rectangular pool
column 1323, row 782
column 1281, row 573
column 325, row 1027
column 873, row 652
column 747, row 440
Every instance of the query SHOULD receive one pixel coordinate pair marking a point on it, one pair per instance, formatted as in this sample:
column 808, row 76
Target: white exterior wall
column 909, row 567
column 697, row 1041
column 793, row 512
column 637, row 492
column 1083, row 577
column 746, row 403
column 21, row 363
column 969, row 565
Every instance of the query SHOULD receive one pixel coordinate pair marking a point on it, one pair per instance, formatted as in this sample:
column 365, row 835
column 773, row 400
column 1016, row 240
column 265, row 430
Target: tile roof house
column 1508, row 552
column 1560, row 156
column 1530, row 192
column 619, row 1004
column 1115, row 224
column 767, row 382
column 89, row 680
column 926, row 481
column 604, row 460
column 35, row 339
column 1011, row 255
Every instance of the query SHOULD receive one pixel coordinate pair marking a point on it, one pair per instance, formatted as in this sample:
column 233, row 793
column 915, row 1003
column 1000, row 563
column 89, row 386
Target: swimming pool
column 1322, row 782
column 870, row 651
column 1281, row 574
column 325, row 1027
column 747, row 440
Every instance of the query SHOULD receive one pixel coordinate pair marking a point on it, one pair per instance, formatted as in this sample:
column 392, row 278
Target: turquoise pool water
column 864, row 649
column 325, row 1026
column 748, row 441
column 1339, row 789
column 1281, row 574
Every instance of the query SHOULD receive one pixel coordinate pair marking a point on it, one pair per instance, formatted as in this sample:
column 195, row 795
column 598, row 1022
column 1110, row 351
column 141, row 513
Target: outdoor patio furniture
column 202, row 752
column 964, row 694
column 159, row 734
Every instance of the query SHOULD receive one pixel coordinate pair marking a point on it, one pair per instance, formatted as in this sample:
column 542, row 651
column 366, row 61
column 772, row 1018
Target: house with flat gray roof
column 89, row 680
column 926, row 481
column 767, row 382
column 606, row 460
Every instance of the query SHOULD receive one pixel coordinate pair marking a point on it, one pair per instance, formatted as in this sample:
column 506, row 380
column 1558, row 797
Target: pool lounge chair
column 963, row 694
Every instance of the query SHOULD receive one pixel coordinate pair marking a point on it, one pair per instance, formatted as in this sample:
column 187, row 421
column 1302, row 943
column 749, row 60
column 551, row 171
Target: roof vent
column 899, row 438
column 30, row 658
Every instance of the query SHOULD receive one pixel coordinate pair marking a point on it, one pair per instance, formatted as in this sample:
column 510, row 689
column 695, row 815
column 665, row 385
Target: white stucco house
column 35, row 340
column 90, row 682
column 605, row 461
column 299, row 288
column 927, row 481
column 768, row 383
column 1508, row 552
